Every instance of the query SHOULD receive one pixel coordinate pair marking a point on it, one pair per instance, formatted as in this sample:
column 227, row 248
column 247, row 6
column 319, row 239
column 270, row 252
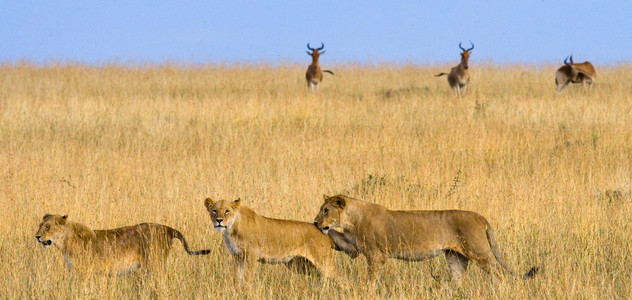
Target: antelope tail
column 329, row 71
column 441, row 74
column 177, row 235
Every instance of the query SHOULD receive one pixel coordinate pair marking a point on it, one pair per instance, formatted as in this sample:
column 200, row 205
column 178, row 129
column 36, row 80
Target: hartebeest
column 314, row 74
column 583, row 73
column 458, row 78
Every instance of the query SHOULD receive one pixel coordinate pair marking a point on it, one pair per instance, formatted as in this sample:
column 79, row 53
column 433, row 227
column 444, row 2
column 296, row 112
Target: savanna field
column 116, row 145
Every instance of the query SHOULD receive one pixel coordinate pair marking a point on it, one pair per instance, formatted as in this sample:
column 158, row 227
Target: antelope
column 583, row 73
column 314, row 74
column 458, row 78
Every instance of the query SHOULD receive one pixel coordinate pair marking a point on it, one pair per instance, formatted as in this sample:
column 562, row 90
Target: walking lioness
column 380, row 233
column 113, row 251
column 251, row 237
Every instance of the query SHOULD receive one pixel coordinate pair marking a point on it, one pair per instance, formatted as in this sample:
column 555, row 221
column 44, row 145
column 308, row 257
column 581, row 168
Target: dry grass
column 113, row 146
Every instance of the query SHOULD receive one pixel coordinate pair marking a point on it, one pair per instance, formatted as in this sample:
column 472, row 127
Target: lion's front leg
column 244, row 268
column 375, row 263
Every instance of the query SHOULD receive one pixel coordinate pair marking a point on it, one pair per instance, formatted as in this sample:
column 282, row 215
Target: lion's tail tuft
column 178, row 235
column 492, row 243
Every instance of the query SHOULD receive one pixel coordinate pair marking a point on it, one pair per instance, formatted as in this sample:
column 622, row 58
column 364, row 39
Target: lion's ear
column 340, row 203
column 46, row 216
column 208, row 202
column 325, row 197
column 236, row 203
column 63, row 220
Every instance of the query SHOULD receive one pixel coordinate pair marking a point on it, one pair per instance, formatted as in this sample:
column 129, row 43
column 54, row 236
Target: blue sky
column 277, row 31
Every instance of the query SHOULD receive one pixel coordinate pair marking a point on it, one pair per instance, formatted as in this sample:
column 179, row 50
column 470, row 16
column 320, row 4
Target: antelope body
column 314, row 74
column 571, row 72
column 458, row 78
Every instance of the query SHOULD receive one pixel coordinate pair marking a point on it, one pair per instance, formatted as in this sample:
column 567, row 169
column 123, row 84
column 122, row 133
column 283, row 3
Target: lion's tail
column 178, row 235
column 441, row 74
column 492, row 244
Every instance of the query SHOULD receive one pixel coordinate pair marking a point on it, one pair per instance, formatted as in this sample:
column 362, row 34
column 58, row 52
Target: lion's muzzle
column 44, row 243
column 323, row 229
column 219, row 226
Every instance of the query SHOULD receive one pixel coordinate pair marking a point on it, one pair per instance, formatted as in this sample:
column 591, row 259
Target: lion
column 250, row 237
column 379, row 233
column 118, row 251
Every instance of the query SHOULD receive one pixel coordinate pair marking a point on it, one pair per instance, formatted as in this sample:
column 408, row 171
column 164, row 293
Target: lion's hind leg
column 302, row 265
column 484, row 258
column 457, row 263
column 326, row 267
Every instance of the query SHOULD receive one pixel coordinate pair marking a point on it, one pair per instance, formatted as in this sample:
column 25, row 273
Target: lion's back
column 136, row 238
column 278, row 237
column 425, row 228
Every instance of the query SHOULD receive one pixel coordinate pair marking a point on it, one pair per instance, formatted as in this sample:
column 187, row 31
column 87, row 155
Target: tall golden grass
column 116, row 145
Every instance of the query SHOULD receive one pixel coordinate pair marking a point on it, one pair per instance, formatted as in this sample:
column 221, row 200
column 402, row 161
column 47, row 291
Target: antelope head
column 573, row 72
column 465, row 55
column 315, row 52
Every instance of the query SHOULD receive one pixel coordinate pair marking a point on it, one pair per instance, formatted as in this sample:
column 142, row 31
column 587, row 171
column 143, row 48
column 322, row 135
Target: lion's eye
column 47, row 227
column 325, row 211
column 226, row 212
column 214, row 212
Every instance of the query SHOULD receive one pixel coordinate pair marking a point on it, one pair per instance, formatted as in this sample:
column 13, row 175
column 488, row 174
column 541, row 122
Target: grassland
column 117, row 145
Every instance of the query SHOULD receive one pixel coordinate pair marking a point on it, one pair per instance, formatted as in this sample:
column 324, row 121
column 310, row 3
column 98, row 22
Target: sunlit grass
column 113, row 146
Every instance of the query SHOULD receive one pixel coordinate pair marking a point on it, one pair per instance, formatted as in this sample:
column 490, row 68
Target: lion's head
column 330, row 215
column 223, row 213
column 52, row 229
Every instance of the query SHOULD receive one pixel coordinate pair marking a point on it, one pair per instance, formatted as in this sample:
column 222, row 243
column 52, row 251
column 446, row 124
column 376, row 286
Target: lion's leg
column 326, row 264
column 153, row 257
column 457, row 263
column 375, row 265
column 245, row 268
column 485, row 259
column 153, row 262
column 241, row 267
column 490, row 266
column 301, row 265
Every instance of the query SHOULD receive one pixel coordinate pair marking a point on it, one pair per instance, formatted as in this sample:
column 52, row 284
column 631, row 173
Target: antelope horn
column 461, row 47
column 566, row 60
column 572, row 59
column 321, row 46
column 310, row 48
column 472, row 47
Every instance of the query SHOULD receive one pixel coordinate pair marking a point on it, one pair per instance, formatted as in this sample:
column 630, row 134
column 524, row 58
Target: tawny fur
column 571, row 72
column 379, row 233
column 251, row 237
column 113, row 251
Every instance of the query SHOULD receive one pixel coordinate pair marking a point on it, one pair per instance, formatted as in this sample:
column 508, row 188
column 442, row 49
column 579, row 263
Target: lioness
column 113, row 251
column 251, row 237
column 380, row 233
